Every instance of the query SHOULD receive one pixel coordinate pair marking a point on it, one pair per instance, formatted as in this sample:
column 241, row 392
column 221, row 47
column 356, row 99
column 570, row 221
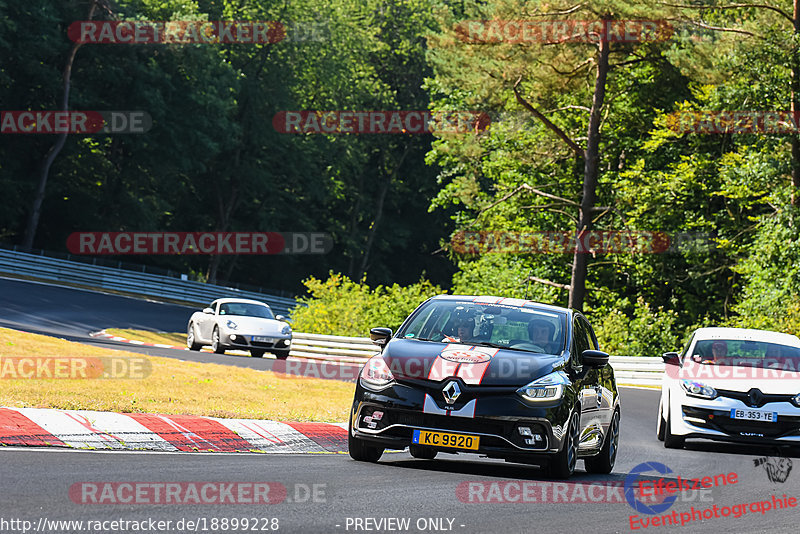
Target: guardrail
column 631, row 370
column 131, row 282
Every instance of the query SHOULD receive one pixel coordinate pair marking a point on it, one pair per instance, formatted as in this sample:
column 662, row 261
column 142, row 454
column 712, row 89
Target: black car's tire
column 216, row 344
column 360, row 450
column 257, row 353
column 191, row 341
column 671, row 441
column 422, row 453
column 661, row 424
column 562, row 465
column 281, row 354
column 603, row 463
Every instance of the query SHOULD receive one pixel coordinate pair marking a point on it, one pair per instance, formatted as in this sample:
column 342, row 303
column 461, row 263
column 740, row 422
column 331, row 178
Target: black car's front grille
column 506, row 429
column 722, row 422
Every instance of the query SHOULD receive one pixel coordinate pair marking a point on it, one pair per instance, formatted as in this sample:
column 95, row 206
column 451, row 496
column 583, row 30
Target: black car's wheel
column 563, row 463
column 359, row 449
column 191, row 342
column 671, row 441
column 257, row 353
column 661, row 425
column 604, row 461
column 216, row 345
column 423, row 453
column 281, row 354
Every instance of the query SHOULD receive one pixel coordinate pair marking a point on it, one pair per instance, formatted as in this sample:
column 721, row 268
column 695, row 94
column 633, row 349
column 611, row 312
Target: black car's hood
column 474, row 364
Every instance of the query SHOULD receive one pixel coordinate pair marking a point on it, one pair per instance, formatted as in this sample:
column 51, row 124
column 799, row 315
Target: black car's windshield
column 497, row 325
column 245, row 308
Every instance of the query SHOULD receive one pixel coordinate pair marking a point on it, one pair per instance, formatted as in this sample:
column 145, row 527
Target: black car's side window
column 579, row 337
column 591, row 339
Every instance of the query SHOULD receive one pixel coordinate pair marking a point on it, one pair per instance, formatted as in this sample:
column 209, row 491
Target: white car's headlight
column 230, row 324
column 376, row 374
column 698, row 389
column 796, row 400
column 286, row 330
column 545, row 389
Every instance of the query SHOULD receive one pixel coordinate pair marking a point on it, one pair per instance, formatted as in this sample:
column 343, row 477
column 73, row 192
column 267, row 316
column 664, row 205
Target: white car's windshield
column 738, row 352
column 245, row 308
column 496, row 325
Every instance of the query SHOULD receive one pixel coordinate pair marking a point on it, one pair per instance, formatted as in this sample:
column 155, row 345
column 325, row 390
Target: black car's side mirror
column 380, row 336
column 594, row 358
column 671, row 358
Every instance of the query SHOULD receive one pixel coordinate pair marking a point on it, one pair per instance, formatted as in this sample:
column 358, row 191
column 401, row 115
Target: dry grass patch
column 173, row 386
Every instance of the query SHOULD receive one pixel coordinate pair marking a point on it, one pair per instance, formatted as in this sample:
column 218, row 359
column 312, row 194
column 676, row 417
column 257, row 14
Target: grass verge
column 173, row 386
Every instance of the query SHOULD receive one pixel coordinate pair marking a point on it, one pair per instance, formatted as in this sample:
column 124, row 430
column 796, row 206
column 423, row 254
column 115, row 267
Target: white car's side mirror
column 209, row 311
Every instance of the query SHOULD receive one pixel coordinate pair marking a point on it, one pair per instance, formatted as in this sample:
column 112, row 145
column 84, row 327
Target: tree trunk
column 795, row 108
column 577, row 284
column 44, row 168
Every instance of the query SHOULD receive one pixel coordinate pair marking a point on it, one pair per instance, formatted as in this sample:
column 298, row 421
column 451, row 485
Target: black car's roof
column 490, row 299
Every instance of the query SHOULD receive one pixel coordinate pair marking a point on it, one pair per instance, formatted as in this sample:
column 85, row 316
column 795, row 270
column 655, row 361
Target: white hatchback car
column 239, row 324
column 732, row 384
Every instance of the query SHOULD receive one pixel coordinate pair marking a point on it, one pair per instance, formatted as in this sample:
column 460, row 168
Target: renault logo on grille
column 755, row 397
column 451, row 392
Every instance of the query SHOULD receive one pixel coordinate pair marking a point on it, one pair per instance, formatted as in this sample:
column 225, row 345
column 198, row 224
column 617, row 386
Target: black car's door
column 589, row 387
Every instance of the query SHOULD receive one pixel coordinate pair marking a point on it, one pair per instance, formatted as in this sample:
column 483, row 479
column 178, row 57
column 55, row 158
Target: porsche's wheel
column 661, row 424
column 281, row 354
column 603, row 463
column 563, row 463
column 257, row 353
column 191, row 341
column 423, row 453
column 672, row 441
column 216, row 345
column 359, row 449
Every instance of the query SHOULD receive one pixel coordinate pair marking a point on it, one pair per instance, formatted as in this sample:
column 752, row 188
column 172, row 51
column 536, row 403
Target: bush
column 341, row 307
column 647, row 333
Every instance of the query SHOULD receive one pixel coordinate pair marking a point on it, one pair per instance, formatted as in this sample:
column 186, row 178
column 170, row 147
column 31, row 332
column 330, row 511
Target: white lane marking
column 270, row 436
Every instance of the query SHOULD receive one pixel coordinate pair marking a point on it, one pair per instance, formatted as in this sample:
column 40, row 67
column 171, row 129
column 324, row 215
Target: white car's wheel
column 216, row 345
column 191, row 340
column 672, row 441
column 661, row 424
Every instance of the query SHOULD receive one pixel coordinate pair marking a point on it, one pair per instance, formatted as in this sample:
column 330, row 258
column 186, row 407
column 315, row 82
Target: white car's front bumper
column 711, row 419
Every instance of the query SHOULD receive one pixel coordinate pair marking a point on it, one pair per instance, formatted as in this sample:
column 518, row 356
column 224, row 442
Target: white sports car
column 732, row 384
column 239, row 324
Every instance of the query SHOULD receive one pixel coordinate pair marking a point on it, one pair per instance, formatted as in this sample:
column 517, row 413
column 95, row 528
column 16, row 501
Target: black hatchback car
column 504, row 378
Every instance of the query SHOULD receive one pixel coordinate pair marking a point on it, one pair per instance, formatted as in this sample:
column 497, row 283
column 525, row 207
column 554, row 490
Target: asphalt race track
column 36, row 485
column 332, row 493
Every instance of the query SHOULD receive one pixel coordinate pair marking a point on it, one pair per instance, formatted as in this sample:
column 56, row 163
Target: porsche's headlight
column 230, row 324
column 796, row 400
column 698, row 389
column 376, row 374
column 286, row 330
column 545, row 389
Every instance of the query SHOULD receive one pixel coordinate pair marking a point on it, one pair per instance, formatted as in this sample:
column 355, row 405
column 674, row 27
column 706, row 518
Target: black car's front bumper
column 499, row 414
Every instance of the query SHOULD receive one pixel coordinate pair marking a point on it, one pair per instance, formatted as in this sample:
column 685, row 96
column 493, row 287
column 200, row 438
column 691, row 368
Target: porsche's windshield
column 496, row 325
column 245, row 308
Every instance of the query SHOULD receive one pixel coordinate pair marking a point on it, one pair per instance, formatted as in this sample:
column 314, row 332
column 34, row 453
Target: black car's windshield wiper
column 498, row 346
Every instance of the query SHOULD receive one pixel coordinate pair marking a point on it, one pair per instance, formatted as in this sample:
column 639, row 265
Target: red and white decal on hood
column 463, row 361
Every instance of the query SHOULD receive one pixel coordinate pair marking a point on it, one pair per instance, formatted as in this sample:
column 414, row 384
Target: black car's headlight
column 545, row 389
column 698, row 389
column 376, row 374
